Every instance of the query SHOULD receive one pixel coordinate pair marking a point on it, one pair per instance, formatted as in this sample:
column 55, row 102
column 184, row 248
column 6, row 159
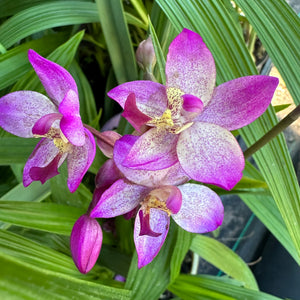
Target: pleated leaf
column 213, row 288
column 28, row 251
column 24, row 281
column 14, row 63
column 118, row 41
column 224, row 258
column 48, row 217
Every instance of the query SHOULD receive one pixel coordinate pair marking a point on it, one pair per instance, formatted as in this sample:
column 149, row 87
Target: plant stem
column 99, row 135
column 283, row 124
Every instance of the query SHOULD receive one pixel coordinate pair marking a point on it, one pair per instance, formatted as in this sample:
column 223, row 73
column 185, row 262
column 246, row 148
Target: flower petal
column 19, row 111
column 85, row 243
column 79, row 161
column 238, row 102
column 190, row 66
column 151, row 98
column 172, row 175
column 43, row 125
column 145, row 225
column 71, row 124
column 119, row 199
column 107, row 147
column 210, row 154
column 133, row 115
column 147, row 247
column 42, row 163
column 154, row 150
column 56, row 80
column 201, row 210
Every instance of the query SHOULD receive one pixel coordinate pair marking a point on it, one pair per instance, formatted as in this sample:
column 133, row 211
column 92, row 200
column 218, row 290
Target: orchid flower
column 194, row 207
column 56, row 119
column 190, row 119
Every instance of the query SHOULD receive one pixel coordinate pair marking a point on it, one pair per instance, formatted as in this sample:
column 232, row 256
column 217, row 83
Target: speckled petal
column 85, row 243
column 210, row 154
column 79, row 161
column 154, row 150
column 44, row 155
column 201, row 210
column 71, row 124
column 133, row 115
column 190, row 66
column 43, row 125
column 145, row 225
column 239, row 102
column 119, row 199
column 151, row 98
column 172, row 175
column 147, row 247
column 55, row 79
column 19, row 111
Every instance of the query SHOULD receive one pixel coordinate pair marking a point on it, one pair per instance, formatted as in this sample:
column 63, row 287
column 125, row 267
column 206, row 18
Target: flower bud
column 85, row 243
column 145, row 55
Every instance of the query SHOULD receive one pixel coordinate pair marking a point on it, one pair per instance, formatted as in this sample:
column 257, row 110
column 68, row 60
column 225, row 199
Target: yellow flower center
column 153, row 202
column 59, row 139
column 171, row 118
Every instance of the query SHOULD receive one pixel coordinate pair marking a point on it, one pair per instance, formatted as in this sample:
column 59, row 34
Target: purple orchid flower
column 56, row 119
column 194, row 207
column 190, row 119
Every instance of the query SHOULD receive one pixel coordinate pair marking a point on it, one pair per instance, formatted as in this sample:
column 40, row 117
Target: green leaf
column 14, row 63
column 208, row 288
column 223, row 38
column 184, row 240
column 88, row 110
column 225, row 259
column 161, row 62
column 28, row 251
column 23, row 281
column 118, row 40
column 13, row 7
column 280, row 36
column 44, row 16
column 15, row 150
column 49, row 217
column 36, row 193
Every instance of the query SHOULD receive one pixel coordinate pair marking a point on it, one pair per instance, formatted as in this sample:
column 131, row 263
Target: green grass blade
column 112, row 19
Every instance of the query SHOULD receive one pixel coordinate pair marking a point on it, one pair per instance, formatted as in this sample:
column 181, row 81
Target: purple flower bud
column 85, row 243
column 145, row 55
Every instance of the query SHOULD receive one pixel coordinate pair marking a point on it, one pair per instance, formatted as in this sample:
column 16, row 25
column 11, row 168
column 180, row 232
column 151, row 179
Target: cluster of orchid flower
column 182, row 132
